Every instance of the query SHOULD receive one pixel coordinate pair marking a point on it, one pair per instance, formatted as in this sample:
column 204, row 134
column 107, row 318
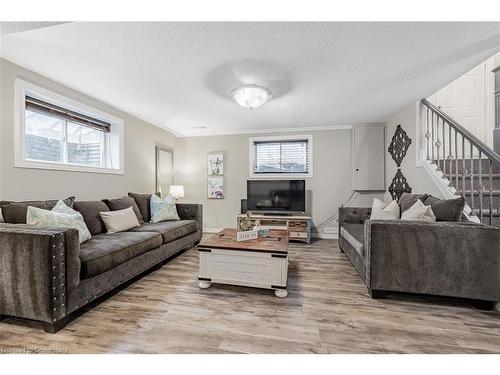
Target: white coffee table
column 259, row 263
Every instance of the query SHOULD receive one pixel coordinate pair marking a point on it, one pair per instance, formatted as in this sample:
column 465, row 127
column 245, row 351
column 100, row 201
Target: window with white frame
column 54, row 132
column 281, row 156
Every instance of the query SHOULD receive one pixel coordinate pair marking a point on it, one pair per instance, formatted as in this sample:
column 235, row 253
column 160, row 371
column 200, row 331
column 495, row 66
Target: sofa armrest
column 443, row 258
column 189, row 211
column 354, row 215
column 38, row 268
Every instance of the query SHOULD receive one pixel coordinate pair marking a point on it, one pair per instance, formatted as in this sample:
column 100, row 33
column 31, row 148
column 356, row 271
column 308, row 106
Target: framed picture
column 216, row 187
column 215, row 164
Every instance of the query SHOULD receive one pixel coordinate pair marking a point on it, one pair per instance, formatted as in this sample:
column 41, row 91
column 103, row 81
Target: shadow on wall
column 223, row 79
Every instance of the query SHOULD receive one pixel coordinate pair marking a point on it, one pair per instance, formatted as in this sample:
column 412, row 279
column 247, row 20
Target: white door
column 468, row 100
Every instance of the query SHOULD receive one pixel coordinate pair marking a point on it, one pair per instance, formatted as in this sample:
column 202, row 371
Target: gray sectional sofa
column 443, row 258
column 46, row 275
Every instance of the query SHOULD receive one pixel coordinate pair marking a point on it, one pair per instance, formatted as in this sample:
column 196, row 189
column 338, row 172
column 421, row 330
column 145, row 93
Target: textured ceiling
column 179, row 75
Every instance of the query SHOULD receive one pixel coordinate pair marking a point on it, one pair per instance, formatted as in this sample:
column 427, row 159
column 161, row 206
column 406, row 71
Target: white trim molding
column 114, row 140
column 261, row 131
column 282, row 138
column 212, row 230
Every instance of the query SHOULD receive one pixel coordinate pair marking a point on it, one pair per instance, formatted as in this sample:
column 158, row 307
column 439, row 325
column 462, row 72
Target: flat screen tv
column 276, row 196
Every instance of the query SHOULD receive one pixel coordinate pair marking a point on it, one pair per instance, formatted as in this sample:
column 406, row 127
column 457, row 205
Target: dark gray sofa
column 455, row 259
column 46, row 275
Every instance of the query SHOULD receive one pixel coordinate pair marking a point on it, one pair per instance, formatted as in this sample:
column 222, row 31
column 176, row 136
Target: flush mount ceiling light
column 251, row 96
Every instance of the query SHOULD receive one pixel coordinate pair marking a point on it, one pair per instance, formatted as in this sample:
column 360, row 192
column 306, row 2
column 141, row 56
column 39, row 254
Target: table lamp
column 176, row 191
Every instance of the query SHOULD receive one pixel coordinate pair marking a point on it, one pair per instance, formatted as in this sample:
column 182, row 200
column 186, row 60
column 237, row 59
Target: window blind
column 281, row 157
column 48, row 109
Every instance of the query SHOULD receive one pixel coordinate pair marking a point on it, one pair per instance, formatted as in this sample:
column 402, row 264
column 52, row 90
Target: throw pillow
column 15, row 212
column 162, row 210
column 120, row 220
column 384, row 211
column 1, row 216
column 419, row 212
column 90, row 211
column 446, row 209
column 408, row 199
column 122, row 203
column 58, row 218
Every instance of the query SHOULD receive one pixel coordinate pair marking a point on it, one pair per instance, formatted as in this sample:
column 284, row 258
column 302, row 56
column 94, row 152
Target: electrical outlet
column 330, row 230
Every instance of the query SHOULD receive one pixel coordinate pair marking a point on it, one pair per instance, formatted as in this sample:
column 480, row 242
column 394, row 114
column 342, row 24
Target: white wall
column 21, row 183
column 417, row 177
column 330, row 186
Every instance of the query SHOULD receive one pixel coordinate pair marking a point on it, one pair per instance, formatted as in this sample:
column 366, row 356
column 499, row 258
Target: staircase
column 464, row 163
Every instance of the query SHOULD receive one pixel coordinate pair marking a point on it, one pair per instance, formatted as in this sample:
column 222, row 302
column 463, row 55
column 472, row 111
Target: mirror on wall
column 164, row 170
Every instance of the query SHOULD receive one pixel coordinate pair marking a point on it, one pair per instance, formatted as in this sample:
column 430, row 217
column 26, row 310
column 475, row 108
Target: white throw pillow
column 419, row 212
column 384, row 211
column 120, row 220
column 163, row 210
column 1, row 216
column 58, row 217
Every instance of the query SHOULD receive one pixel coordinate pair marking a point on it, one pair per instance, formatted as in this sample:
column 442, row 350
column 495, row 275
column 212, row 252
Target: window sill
column 65, row 167
column 281, row 176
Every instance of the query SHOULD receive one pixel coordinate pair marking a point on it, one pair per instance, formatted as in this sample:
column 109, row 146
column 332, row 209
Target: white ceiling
column 179, row 75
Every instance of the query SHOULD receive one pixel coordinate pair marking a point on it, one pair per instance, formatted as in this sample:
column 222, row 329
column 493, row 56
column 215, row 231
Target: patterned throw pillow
column 163, row 210
column 61, row 216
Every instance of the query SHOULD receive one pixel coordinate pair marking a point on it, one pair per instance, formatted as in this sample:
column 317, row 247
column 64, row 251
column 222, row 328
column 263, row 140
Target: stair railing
column 443, row 134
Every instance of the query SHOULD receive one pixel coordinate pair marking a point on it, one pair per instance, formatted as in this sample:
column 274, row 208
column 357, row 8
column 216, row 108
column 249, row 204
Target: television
column 276, row 196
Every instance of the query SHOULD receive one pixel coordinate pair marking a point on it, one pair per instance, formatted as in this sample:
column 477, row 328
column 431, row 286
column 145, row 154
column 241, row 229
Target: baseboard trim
column 212, row 230
column 325, row 236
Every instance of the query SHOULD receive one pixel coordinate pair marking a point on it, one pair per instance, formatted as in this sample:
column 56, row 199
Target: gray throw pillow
column 90, row 210
column 446, row 209
column 15, row 212
column 407, row 200
column 123, row 203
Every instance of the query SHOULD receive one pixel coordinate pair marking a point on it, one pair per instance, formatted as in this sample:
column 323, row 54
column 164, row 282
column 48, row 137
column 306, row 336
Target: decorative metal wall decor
column 399, row 145
column 399, row 185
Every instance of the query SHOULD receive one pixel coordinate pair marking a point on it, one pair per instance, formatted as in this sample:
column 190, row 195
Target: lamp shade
column 251, row 96
column 176, row 191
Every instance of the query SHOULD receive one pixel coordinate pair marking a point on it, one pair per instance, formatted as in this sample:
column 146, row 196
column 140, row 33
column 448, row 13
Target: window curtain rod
column 53, row 110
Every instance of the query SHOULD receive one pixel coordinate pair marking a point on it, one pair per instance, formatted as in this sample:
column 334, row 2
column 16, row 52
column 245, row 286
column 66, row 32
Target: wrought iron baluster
column 472, row 178
column 490, row 172
column 438, row 144
column 444, row 149
column 427, row 135
column 456, row 159
column 432, row 136
column 450, row 156
column 464, row 170
column 480, row 187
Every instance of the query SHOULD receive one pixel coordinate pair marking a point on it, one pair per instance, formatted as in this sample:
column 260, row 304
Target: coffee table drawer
column 247, row 268
column 297, row 235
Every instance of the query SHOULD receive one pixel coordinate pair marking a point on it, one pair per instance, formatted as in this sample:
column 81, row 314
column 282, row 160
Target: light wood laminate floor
column 327, row 310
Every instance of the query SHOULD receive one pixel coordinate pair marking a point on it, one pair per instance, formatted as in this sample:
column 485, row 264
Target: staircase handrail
column 471, row 138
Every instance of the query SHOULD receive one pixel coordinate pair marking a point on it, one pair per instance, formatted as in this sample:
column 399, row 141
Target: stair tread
column 485, row 176
column 485, row 193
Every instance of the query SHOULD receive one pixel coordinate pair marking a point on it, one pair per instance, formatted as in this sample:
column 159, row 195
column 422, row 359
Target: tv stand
column 298, row 226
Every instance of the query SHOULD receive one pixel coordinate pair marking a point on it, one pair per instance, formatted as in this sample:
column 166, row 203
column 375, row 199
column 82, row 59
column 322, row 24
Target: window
column 281, row 156
column 53, row 132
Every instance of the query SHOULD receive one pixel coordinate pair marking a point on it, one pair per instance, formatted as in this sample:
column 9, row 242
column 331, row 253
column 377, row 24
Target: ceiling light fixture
column 251, row 96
